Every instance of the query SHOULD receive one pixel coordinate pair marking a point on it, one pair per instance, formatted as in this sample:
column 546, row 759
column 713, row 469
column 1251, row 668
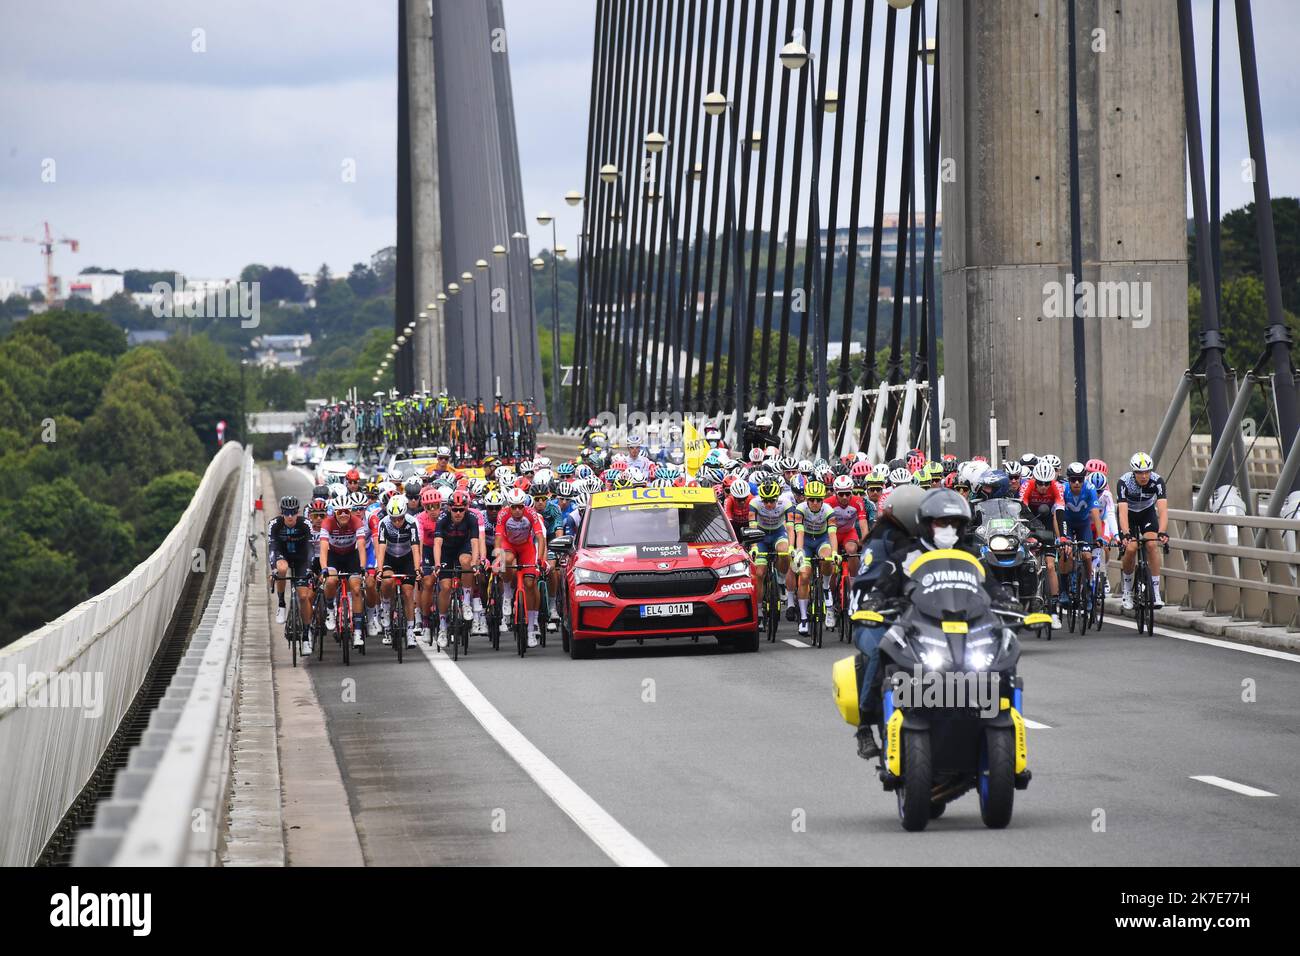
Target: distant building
column 95, row 286
column 146, row 336
column 281, row 351
column 888, row 238
column 283, row 342
column 8, row 287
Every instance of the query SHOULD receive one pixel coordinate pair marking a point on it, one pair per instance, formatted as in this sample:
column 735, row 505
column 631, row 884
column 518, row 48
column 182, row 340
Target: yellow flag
column 696, row 448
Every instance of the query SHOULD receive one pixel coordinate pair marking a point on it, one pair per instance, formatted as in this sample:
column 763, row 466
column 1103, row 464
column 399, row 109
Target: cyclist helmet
column 755, row 455
column 320, row 491
column 860, row 469
column 565, row 469
column 621, row 481
column 1141, row 462
column 540, row 486
column 516, row 497
column 843, row 485
column 564, row 489
column 1027, row 461
column 358, row 500
column 1053, row 460
column 429, row 497
column 396, row 476
column 493, row 499
column 396, row 507
column 814, row 490
column 805, row 467
column 1044, row 473
column 352, row 475
column 769, row 490
column 1096, row 465
column 413, row 488
column 634, row 441
column 740, row 488
column 1095, row 480
column 1012, row 468
column 459, row 499
column 900, row 476
column 787, row 464
column 583, row 471
column 875, row 481
column 290, row 504
column 372, row 487
column 1075, row 470
column 338, row 492
column 476, row 487
column 881, row 471
column 526, row 467
column 318, row 505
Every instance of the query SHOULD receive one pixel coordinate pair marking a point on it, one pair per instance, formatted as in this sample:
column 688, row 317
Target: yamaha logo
column 664, row 565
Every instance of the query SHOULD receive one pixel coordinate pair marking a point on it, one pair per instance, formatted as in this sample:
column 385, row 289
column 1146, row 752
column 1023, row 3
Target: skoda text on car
column 658, row 563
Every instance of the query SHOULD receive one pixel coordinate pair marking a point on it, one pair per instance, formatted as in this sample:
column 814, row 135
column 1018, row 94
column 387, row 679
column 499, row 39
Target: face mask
column 945, row 537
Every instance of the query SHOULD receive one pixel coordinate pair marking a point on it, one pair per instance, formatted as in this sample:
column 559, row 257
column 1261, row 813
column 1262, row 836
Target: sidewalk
column 1221, row 626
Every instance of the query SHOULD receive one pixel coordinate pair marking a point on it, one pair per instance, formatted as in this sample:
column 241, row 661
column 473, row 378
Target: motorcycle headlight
column 737, row 569
column 588, row 576
column 933, row 652
column 1000, row 542
column 979, row 654
column 932, row 659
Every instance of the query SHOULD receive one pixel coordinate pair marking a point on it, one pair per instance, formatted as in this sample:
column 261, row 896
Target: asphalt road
column 704, row 756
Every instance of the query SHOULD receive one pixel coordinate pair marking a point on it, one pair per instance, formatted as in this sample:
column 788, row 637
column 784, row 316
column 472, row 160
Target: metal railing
column 1235, row 565
column 65, row 688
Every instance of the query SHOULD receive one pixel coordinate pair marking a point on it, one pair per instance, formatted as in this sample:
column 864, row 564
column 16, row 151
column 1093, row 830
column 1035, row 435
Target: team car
column 656, row 563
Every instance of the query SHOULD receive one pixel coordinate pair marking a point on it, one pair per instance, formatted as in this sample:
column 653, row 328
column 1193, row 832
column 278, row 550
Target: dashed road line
column 1233, row 786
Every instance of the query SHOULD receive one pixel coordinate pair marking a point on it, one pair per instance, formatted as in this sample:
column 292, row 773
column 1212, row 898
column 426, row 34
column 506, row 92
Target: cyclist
column 553, row 520
column 352, row 481
column 521, row 537
column 1096, row 480
column 1044, row 501
column 1143, row 513
column 1081, row 517
column 770, row 513
column 288, row 548
column 342, row 533
column 852, row 521
column 736, row 506
column 399, row 542
column 457, row 540
column 814, row 539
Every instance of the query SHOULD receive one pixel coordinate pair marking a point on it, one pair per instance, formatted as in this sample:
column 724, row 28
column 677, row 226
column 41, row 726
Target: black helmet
column 1028, row 460
column 413, row 488
column 903, row 504
column 320, row 491
column 942, row 503
column 290, row 503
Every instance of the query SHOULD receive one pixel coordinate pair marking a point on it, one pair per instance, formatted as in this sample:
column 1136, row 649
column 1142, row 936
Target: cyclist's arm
column 1162, row 515
column 324, row 547
column 1121, row 509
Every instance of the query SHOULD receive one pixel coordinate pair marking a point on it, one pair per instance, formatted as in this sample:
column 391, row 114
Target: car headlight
column 737, row 569
column 588, row 576
column 1000, row 542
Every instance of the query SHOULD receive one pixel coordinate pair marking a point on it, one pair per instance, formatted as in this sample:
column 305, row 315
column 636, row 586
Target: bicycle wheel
column 772, row 603
column 1140, row 598
column 543, row 611
column 291, row 629
column 318, row 616
column 521, row 624
column 397, row 624
column 1072, row 591
column 343, row 628
column 453, row 614
column 816, row 607
column 1099, row 599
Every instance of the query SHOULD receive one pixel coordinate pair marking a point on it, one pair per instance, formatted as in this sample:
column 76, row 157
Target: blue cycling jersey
column 1078, row 506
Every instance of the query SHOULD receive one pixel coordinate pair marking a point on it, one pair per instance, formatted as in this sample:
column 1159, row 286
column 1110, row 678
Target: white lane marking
column 1213, row 642
column 1035, row 725
column 793, row 643
column 1233, row 786
column 606, row 832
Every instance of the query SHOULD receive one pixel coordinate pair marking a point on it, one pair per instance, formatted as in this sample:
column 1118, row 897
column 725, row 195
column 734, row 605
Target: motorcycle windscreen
column 999, row 514
column 948, row 589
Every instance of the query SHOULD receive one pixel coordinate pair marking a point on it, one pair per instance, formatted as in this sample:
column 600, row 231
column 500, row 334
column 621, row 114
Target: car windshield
column 342, row 454
column 675, row 523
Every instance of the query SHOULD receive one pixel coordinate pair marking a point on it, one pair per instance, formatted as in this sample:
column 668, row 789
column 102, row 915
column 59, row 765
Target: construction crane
column 47, row 251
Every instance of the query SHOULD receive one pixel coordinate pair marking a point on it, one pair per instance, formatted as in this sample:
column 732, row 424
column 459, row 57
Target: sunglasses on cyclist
column 458, row 511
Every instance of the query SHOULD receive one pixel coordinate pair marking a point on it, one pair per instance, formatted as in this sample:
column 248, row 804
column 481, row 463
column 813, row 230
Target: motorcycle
column 1010, row 552
column 951, row 698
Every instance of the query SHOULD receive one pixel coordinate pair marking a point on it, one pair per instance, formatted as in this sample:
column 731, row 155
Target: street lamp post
column 467, row 277
column 544, row 219
column 795, row 57
column 715, row 104
column 494, row 380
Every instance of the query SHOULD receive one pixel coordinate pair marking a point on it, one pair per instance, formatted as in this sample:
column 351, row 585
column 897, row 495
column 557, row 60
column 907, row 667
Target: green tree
column 61, row 585
column 280, row 282
column 76, row 332
column 159, row 506
column 281, row 389
column 101, row 543
column 75, row 383
column 210, row 380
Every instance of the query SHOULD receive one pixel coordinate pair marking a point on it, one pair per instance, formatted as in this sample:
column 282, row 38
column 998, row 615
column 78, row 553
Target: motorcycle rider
column 942, row 517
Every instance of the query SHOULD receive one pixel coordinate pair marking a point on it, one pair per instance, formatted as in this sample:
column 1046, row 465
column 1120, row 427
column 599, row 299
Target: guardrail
column 1234, row 565
column 65, row 688
column 171, row 813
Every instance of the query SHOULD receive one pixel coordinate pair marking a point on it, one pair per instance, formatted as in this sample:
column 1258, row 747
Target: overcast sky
column 167, row 157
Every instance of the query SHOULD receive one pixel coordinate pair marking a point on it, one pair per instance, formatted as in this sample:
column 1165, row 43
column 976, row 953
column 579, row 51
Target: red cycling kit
column 1042, row 500
column 520, row 534
column 343, row 542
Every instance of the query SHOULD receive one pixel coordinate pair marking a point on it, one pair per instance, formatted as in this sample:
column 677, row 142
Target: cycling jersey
column 737, row 511
column 398, row 542
column 1077, row 511
column 1139, row 497
column 769, row 516
column 291, row 544
column 1042, row 500
column 343, row 538
column 552, row 518
column 514, row 532
column 847, row 514
column 573, row 523
column 814, row 523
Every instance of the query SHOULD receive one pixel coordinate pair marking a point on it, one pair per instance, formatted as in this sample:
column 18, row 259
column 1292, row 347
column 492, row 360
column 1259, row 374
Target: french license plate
column 667, row 610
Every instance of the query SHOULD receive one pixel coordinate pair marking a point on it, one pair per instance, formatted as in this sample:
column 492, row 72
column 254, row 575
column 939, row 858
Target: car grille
column 691, row 582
